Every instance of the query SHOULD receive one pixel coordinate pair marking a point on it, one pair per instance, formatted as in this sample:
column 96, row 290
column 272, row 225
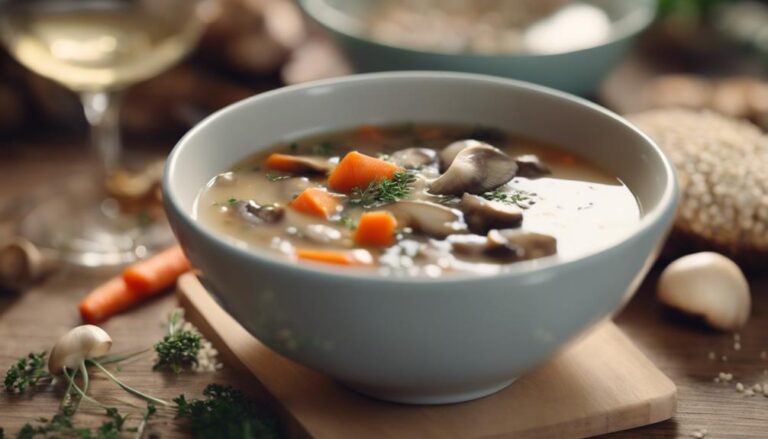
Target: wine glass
column 97, row 48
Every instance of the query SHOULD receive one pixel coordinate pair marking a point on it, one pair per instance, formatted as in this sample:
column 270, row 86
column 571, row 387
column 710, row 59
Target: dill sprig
column 178, row 350
column 517, row 197
column 26, row 372
column 384, row 191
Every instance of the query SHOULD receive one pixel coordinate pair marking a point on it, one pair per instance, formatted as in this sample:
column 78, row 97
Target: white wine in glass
column 97, row 48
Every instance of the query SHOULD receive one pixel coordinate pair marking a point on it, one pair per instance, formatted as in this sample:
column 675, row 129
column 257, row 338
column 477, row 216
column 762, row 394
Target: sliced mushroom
column 468, row 245
column 254, row 213
column 415, row 158
column 476, row 169
column 482, row 215
column 449, row 153
column 525, row 245
column 530, row 166
column 429, row 218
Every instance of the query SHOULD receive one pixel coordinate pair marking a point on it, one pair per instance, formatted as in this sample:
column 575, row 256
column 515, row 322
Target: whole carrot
column 107, row 299
column 156, row 273
column 137, row 282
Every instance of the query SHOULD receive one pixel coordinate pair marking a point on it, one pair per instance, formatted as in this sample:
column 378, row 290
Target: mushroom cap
column 415, row 158
column 429, row 218
column 80, row 343
column 709, row 285
column 721, row 166
column 449, row 153
column 483, row 215
column 476, row 169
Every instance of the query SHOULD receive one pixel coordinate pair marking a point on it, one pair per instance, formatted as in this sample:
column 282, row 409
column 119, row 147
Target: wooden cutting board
column 599, row 385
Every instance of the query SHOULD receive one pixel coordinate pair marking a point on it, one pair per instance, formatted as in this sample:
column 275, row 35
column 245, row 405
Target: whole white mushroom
column 710, row 285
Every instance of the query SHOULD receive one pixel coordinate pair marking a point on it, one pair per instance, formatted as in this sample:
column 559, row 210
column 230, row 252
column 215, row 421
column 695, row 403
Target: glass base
column 85, row 227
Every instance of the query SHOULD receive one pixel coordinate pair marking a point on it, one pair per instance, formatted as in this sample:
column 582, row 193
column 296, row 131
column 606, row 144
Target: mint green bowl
column 579, row 72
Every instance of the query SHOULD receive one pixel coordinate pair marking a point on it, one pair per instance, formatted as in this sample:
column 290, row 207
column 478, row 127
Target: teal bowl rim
column 633, row 23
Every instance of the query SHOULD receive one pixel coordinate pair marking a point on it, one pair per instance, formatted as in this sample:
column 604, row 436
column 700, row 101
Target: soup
column 418, row 200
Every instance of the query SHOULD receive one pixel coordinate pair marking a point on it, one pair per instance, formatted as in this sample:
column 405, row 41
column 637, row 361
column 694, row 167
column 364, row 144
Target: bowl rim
column 635, row 21
column 666, row 205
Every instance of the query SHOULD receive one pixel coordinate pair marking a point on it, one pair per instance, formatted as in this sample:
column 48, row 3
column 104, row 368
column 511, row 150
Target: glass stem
column 102, row 111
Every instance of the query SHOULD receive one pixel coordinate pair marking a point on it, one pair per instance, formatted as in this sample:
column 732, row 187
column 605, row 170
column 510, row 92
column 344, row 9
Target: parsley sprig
column 225, row 412
column 26, row 372
column 178, row 350
column 384, row 191
column 517, row 197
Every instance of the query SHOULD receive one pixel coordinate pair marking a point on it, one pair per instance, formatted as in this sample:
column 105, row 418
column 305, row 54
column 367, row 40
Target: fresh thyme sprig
column 517, row 197
column 26, row 372
column 384, row 191
column 178, row 350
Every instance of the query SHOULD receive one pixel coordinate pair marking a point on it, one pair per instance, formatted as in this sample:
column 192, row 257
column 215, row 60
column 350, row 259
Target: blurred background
column 256, row 45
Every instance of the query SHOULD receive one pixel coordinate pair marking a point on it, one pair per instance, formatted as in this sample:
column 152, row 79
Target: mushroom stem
column 73, row 384
column 128, row 388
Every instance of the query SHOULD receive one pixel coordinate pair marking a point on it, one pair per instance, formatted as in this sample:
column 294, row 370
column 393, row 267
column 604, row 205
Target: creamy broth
column 566, row 200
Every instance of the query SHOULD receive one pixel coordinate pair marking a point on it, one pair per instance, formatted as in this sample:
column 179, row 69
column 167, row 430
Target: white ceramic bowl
column 419, row 340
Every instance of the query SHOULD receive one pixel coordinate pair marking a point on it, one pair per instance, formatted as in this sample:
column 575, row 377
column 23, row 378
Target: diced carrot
column 285, row 163
column 339, row 257
column 376, row 229
column 369, row 133
column 106, row 300
column 156, row 273
column 317, row 202
column 359, row 170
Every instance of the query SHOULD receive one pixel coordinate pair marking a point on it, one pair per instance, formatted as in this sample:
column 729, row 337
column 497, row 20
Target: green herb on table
column 178, row 350
column 519, row 198
column 26, row 372
column 225, row 412
column 61, row 425
column 384, row 191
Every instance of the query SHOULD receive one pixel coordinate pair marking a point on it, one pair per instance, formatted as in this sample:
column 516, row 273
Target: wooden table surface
column 33, row 320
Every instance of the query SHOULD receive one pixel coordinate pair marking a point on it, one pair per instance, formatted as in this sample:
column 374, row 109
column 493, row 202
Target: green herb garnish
column 517, row 197
column 178, row 350
column 232, row 201
column 384, row 191
column 26, row 372
column 225, row 412
column 274, row 176
column 347, row 222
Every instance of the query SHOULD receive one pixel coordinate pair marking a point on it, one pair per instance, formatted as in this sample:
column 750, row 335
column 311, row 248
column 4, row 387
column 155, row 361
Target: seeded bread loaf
column 722, row 165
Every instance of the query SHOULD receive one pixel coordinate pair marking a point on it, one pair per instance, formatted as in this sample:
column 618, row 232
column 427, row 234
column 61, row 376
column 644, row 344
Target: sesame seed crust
column 722, row 166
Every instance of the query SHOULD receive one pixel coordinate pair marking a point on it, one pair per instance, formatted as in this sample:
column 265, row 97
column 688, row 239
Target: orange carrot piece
column 285, row 163
column 156, row 273
column 317, row 202
column 369, row 133
column 376, row 229
column 106, row 300
column 359, row 170
column 339, row 257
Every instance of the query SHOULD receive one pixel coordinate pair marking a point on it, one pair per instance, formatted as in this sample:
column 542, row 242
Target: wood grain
column 600, row 384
